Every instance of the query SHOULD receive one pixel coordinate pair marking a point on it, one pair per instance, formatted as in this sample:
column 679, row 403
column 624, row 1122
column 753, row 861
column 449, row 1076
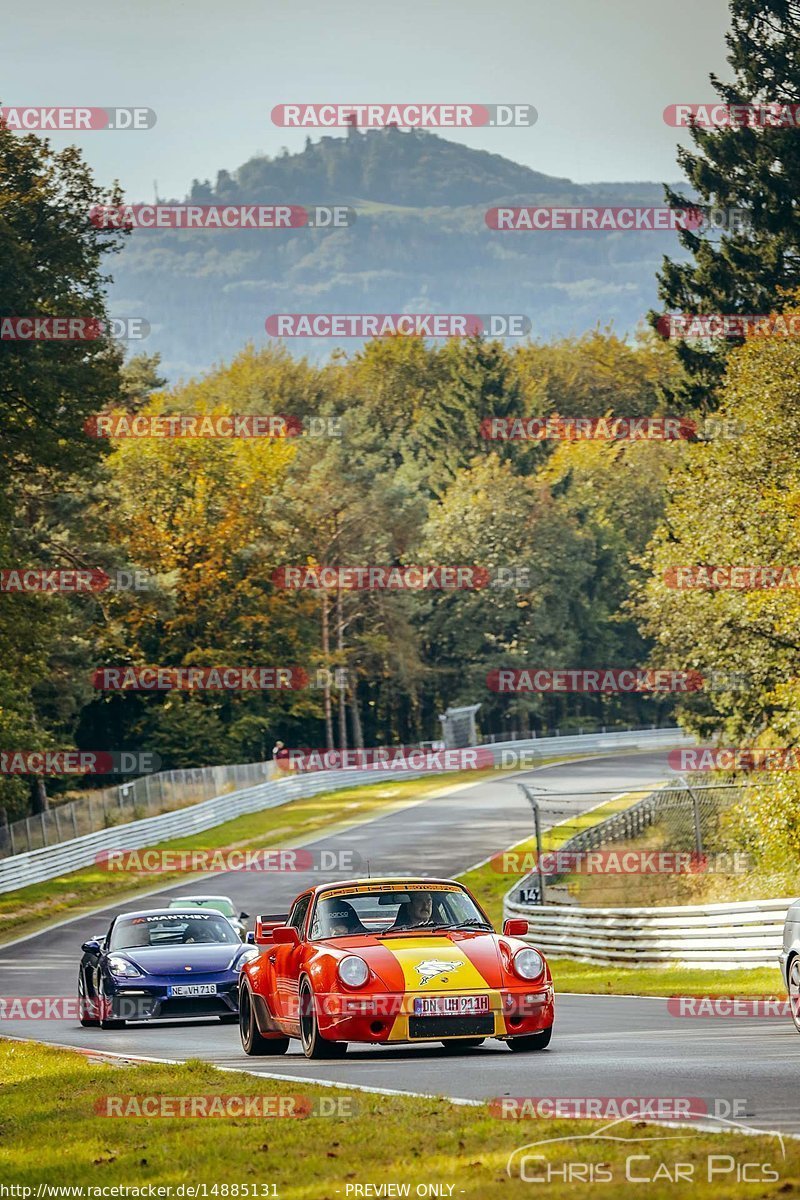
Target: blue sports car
column 161, row 964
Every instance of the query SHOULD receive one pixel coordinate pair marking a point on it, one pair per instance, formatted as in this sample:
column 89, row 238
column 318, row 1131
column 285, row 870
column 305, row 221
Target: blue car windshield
column 171, row 929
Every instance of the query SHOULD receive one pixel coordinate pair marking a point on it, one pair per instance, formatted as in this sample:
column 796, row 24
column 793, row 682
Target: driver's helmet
column 340, row 918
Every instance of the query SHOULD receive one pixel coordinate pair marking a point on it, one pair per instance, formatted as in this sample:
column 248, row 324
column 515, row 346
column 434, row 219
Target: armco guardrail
column 744, row 934
column 38, row 865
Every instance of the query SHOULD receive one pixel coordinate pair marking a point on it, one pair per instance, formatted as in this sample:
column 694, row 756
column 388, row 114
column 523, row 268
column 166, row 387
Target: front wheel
column 534, row 1041
column 253, row 1041
column 85, row 1007
column 313, row 1043
column 794, row 991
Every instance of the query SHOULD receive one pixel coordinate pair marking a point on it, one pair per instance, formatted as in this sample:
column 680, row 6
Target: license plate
column 192, row 989
column 449, row 1006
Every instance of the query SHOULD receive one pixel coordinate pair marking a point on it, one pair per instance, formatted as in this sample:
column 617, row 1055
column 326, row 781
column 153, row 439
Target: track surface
column 602, row 1045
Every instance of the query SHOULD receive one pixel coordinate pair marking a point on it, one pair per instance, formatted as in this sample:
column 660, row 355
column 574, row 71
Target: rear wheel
column 253, row 1041
column 533, row 1041
column 794, row 991
column 314, row 1044
column 456, row 1044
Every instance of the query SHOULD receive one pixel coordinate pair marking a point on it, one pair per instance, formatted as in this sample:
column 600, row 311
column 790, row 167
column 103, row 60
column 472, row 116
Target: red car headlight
column 353, row 971
column 528, row 964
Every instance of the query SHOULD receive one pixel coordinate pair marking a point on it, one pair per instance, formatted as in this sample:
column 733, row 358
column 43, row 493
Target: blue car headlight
column 246, row 956
column 122, row 967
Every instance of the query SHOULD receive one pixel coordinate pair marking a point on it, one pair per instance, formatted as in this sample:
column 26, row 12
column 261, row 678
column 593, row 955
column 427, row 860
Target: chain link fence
column 147, row 796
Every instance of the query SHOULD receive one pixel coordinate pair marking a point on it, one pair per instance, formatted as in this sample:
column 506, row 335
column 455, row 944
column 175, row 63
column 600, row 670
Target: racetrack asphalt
column 743, row 1068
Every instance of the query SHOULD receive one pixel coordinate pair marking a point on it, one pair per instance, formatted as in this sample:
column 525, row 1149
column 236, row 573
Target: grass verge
column 52, row 1135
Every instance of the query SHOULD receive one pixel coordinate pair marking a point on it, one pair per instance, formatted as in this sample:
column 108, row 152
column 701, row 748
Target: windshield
column 218, row 903
column 348, row 912
column 166, row 929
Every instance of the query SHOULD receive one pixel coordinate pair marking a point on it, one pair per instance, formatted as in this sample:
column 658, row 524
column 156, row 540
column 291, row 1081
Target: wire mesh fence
column 147, row 796
column 688, row 817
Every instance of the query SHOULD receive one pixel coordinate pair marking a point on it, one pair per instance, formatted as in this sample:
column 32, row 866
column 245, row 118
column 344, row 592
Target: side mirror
column 92, row 946
column 243, row 916
column 286, row 935
column 515, row 927
column 250, row 938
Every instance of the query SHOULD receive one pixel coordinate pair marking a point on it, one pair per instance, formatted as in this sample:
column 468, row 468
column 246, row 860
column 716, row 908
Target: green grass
column 571, row 976
column 50, row 1133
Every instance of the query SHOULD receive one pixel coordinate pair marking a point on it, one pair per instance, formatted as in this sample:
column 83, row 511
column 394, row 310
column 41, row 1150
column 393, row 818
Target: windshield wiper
column 473, row 923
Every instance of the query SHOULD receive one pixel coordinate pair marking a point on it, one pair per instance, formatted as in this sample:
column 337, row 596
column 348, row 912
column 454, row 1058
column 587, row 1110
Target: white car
column 790, row 959
column 221, row 904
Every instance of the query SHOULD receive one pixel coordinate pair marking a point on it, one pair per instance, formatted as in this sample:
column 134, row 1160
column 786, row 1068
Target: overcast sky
column 599, row 72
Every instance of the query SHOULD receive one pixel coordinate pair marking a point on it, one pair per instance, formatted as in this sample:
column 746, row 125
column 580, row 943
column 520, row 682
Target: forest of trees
column 402, row 475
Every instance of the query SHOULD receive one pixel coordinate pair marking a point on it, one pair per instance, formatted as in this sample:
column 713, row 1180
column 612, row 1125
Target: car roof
column 155, row 912
column 382, row 879
column 200, row 896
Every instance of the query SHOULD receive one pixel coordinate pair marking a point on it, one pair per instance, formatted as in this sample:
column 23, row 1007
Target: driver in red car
column 415, row 912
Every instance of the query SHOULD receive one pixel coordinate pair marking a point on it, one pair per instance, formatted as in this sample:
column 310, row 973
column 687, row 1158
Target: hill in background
column 419, row 244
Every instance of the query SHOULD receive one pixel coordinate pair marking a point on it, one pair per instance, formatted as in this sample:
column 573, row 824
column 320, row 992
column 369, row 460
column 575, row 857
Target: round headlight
column 353, row 971
column 528, row 964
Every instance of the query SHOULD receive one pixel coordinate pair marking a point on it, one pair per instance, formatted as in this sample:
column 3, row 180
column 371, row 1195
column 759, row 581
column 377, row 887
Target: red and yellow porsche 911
column 389, row 961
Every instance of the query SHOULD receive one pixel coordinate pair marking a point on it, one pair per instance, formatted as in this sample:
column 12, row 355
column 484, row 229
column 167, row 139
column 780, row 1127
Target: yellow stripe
column 424, row 964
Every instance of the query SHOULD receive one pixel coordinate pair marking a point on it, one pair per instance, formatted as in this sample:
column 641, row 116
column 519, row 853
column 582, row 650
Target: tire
column 453, row 1045
column 533, row 1041
column 313, row 1043
column 229, row 1019
column 105, row 1005
column 253, row 1041
column 794, row 990
column 84, row 1007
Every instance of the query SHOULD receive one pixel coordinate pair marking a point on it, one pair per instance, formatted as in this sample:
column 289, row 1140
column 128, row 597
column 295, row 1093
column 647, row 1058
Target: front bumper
column 390, row 1018
column 149, row 1000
